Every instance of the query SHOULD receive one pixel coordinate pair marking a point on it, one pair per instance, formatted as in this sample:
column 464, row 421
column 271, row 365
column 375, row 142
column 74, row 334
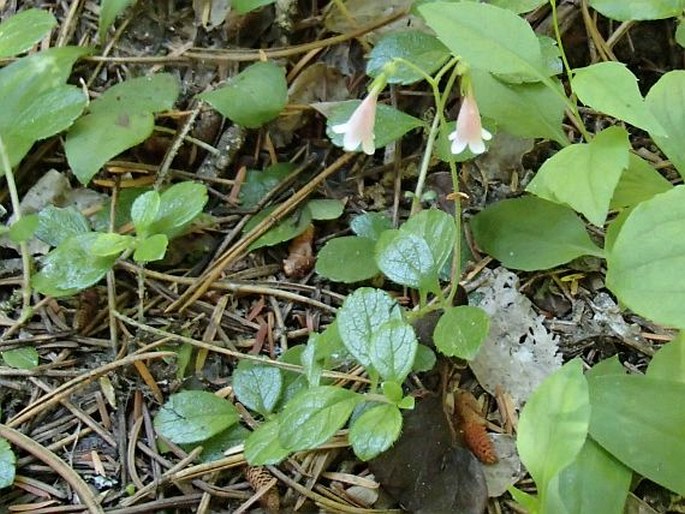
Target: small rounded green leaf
column 258, row 387
column 7, row 464
column 313, row 416
column 335, row 259
column 393, row 349
column 530, row 233
column 285, row 230
column 392, row 391
column 262, row 447
column 375, row 431
column 23, row 30
column 25, row 357
column 644, row 266
column 105, row 245
column 193, row 416
column 437, row 228
column 406, row 259
column 179, row 205
column 425, row 359
column 460, row 331
column 325, row 209
column 22, row 230
column 422, row 50
column 144, row 211
column 151, row 248
column 370, row 224
column 256, row 95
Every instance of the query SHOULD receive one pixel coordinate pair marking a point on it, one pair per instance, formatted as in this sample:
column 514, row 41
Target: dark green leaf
column 460, row 331
column 58, row 224
column 666, row 101
column 109, row 10
column 393, row 349
column 256, row 95
column 263, row 448
column 259, row 182
column 245, row 6
column 23, row 30
column 651, row 438
column 257, row 386
column 422, row 50
column 151, row 248
column 638, row 182
column 375, row 431
column 325, row 209
column 214, row 447
column 333, row 260
column 425, row 359
column 530, row 233
column 370, row 224
column 313, row 416
column 24, row 229
column 193, row 416
column 287, row 229
column 7, row 464
column 25, row 357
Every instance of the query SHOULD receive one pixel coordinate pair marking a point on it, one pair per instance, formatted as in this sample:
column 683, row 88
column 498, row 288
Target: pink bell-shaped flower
column 358, row 130
column 469, row 131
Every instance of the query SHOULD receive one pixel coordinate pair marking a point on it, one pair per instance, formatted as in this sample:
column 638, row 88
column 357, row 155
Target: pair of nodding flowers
column 358, row 130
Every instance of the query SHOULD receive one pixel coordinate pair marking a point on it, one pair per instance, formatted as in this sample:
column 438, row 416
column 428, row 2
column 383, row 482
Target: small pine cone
column 258, row 477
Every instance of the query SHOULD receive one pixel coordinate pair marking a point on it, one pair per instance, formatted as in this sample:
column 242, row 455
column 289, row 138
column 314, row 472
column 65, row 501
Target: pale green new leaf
column 638, row 182
column 625, row 10
column 25, row 357
column 23, row 30
column 460, row 331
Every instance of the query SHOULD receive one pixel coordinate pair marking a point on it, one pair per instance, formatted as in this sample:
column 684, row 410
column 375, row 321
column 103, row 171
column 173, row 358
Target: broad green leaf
column 422, row 50
column 57, row 224
column 262, row 447
column 193, row 416
column 22, row 230
column 392, row 391
column 406, row 259
column 666, row 101
column 425, row 359
column 594, row 482
column 645, row 262
column 392, row 350
column 523, row 110
column 245, row 6
column 144, row 211
column 370, row 224
column 390, row 125
column 7, row 464
column 109, row 10
column 584, row 176
column 325, row 209
column 610, row 366
column 528, row 501
column 25, row 357
column 259, row 182
column 518, row 6
column 72, row 266
column 554, row 423
column 651, row 434
column 625, row 10
column 669, row 362
column 611, row 88
column 23, row 30
column 460, row 331
column 50, row 112
column 151, row 248
column 285, row 230
column 530, row 233
column 360, row 316
column 335, row 258
column 487, row 37
column 375, row 431
column 257, row 386
column 614, row 228
column 108, row 244
column 313, row 416
column 638, row 182
column 179, row 205
column 256, row 95
column 437, row 228
column 120, row 119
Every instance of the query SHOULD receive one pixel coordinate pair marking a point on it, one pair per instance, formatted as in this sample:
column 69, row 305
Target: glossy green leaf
column 151, row 248
column 25, row 357
column 23, row 30
column 611, row 88
column 530, row 233
column 638, row 182
column 109, row 10
column 437, row 228
column 392, row 350
column 666, row 101
column 375, row 431
column 557, row 412
column 584, row 176
column 118, row 120
column 625, row 10
column 669, row 362
column 406, row 259
column 390, row 125
column 245, row 6
column 422, row 50
column 487, row 37
column 7, row 464
column 523, row 110
column 313, row 416
column 263, row 448
column 518, row 6
column 360, row 315
column 333, row 260
column 258, row 387
column 110, row 244
column 57, row 224
column 311, row 361
column 72, row 266
column 287, row 229
column 144, row 211
column 256, row 95
column 460, row 331
column 193, row 416
column 22, row 230
column 50, row 112
column 645, row 262
column 259, row 182
column 594, row 482
column 370, row 224
column 325, row 209
column 651, row 438
column 179, row 205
